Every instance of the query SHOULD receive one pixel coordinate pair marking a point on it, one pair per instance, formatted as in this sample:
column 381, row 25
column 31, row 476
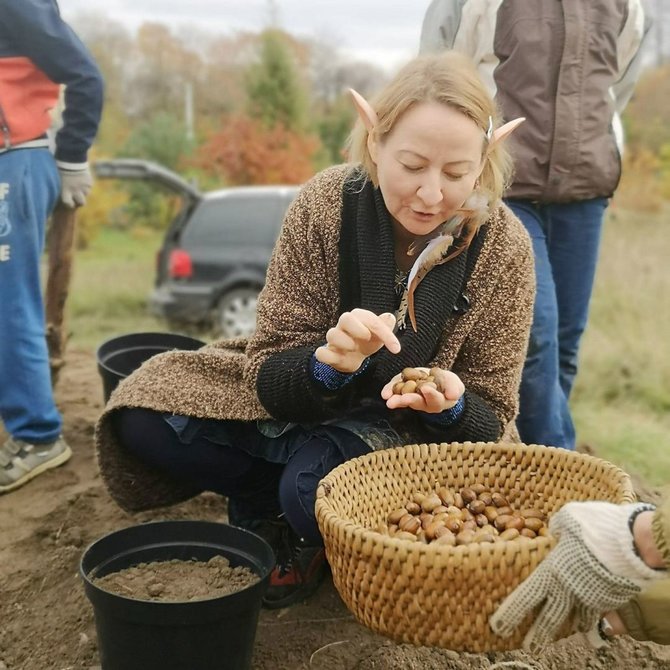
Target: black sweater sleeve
column 287, row 376
column 477, row 423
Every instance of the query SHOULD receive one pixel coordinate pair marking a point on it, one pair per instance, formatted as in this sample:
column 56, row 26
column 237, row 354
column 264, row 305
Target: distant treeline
column 265, row 107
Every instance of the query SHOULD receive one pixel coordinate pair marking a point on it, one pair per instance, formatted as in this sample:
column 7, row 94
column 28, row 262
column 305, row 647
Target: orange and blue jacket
column 39, row 52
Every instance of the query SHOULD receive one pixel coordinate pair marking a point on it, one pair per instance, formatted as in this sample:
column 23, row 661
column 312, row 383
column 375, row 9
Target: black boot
column 299, row 570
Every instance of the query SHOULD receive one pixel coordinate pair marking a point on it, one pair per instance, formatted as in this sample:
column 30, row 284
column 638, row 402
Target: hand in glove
column 76, row 182
column 593, row 569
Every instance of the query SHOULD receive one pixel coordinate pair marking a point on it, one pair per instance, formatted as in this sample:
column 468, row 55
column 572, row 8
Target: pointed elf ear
column 505, row 130
column 367, row 115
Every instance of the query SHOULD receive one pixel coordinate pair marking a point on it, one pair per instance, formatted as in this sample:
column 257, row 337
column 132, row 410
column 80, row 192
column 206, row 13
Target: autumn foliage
column 645, row 183
column 245, row 151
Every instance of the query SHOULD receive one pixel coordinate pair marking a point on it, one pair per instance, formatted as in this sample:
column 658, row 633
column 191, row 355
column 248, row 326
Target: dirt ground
column 46, row 622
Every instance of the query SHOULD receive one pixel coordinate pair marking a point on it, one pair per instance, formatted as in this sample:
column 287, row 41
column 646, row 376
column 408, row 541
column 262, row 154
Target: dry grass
column 622, row 395
column 110, row 283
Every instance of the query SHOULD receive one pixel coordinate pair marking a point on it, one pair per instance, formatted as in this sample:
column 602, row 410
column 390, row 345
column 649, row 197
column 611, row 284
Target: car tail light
column 181, row 266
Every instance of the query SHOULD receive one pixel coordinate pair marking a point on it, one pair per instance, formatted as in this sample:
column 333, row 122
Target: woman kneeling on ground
column 262, row 421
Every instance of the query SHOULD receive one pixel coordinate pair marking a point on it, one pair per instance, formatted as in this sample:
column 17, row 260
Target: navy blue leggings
column 256, row 487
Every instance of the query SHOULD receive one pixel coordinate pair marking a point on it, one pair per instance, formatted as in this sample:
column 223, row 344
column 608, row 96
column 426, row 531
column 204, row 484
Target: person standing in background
column 569, row 68
column 38, row 54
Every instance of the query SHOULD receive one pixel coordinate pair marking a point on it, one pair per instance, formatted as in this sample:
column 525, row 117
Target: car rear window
column 237, row 220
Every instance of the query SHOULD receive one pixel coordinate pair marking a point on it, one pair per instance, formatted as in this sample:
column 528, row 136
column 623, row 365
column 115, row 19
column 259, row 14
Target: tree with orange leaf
column 245, row 151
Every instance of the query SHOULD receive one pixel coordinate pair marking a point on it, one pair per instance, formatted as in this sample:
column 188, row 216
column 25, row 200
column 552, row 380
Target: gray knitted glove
column 76, row 182
column 593, row 569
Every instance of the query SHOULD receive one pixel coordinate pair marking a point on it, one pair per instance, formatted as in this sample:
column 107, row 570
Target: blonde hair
column 451, row 79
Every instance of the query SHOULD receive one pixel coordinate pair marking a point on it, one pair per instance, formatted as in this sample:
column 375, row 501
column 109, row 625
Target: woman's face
column 428, row 165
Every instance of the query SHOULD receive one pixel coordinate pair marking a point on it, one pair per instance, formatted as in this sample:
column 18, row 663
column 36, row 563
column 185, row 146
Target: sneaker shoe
column 21, row 461
column 299, row 571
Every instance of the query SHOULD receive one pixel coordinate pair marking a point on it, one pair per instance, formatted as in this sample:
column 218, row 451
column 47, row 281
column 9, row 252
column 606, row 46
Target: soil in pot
column 178, row 581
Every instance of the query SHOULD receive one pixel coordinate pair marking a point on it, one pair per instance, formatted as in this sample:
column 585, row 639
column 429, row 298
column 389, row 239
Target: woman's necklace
column 400, row 281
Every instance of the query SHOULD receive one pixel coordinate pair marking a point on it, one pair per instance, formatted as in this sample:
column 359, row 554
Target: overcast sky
column 384, row 32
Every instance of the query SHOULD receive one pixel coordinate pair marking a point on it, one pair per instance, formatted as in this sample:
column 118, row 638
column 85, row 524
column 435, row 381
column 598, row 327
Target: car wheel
column 236, row 312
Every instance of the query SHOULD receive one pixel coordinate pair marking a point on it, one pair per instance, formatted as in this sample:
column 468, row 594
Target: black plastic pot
column 213, row 634
column 119, row 356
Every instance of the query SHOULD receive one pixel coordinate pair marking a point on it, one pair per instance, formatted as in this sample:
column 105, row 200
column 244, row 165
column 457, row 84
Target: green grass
column 634, row 438
column 111, row 281
column 621, row 400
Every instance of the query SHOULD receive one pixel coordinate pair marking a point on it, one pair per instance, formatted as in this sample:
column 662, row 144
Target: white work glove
column 593, row 569
column 76, row 182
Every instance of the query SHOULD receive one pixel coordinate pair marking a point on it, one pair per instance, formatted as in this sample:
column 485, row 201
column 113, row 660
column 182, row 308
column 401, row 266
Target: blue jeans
column 566, row 240
column 261, row 476
column 29, row 186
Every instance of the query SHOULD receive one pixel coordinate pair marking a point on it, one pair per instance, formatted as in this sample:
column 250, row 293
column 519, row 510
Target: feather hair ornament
column 468, row 218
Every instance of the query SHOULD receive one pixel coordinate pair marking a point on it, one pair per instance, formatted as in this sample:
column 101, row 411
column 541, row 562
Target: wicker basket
column 438, row 595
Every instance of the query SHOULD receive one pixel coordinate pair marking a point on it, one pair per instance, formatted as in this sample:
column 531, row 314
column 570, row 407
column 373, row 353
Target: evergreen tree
column 274, row 91
column 161, row 139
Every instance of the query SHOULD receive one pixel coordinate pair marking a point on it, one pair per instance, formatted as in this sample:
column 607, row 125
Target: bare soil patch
column 178, row 581
column 46, row 622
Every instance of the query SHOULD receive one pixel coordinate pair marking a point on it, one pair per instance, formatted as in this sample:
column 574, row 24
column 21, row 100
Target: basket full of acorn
column 426, row 540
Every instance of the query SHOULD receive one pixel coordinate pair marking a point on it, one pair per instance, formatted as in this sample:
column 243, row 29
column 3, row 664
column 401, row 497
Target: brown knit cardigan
column 335, row 251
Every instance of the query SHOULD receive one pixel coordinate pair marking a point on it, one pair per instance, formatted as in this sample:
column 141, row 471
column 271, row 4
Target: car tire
column 236, row 312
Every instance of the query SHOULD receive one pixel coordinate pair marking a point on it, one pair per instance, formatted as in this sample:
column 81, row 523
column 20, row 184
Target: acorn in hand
column 412, row 379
